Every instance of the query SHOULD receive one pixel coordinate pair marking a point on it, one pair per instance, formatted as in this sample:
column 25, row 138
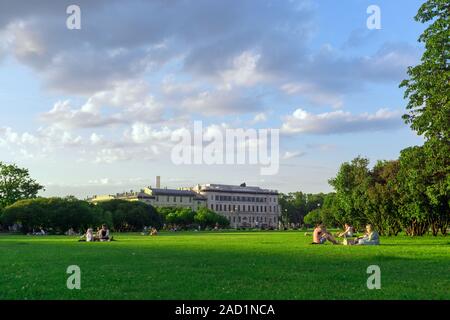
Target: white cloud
column 259, row 117
column 129, row 101
column 110, row 155
column 220, row 102
column 143, row 133
column 313, row 94
column 340, row 121
column 243, row 72
column 292, row 154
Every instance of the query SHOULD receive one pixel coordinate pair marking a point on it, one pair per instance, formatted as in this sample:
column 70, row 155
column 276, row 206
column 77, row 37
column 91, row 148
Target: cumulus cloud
column 130, row 101
column 220, row 102
column 339, row 121
column 221, row 53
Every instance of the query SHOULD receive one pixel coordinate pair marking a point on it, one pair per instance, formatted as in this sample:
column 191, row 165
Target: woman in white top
column 89, row 235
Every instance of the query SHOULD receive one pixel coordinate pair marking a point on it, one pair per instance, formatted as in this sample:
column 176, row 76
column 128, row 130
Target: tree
column 419, row 207
column 351, row 185
column 293, row 206
column 382, row 194
column 208, row 218
column 131, row 215
column 329, row 210
column 55, row 215
column 428, row 86
column 428, row 92
column 313, row 217
column 16, row 184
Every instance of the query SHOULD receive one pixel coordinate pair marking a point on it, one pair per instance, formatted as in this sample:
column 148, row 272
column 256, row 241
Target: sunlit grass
column 234, row 265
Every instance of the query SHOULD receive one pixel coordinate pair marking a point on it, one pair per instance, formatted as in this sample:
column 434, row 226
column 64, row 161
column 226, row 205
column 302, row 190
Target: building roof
column 235, row 189
column 175, row 192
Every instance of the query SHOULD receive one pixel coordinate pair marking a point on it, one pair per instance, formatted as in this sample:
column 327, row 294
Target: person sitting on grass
column 348, row 231
column 371, row 237
column 103, row 234
column 154, row 232
column 88, row 236
column 321, row 235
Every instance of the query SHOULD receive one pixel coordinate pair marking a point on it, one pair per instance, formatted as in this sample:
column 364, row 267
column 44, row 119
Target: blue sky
column 91, row 111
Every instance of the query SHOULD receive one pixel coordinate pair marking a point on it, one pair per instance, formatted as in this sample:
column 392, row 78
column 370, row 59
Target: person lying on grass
column 321, row 235
column 371, row 237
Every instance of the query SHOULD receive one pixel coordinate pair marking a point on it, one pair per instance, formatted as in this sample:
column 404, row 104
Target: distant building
column 176, row 198
column 243, row 206
column 159, row 198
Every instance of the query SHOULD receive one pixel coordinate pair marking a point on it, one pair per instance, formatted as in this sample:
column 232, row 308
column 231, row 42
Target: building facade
column 158, row 197
column 244, row 206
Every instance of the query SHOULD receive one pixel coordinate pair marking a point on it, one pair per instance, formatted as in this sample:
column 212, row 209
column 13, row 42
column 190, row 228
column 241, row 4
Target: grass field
column 234, row 265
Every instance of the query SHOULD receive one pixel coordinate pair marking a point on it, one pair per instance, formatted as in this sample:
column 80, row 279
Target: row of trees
column 393, row 195
column 58, row 215
column 407, row 194
column 296, row 205
column 411, row 193
column 185, row 218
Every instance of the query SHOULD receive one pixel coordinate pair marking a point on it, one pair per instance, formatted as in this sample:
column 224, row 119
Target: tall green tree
column 382, row 194
column 428, row 86
column 428, row 93
column 16, row 184
column 351, row 184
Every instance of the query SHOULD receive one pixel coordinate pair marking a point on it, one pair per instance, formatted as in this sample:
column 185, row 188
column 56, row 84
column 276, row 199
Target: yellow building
column 158, row 197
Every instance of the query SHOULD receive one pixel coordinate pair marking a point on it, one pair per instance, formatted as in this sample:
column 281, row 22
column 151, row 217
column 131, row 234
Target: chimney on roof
column 158, row 182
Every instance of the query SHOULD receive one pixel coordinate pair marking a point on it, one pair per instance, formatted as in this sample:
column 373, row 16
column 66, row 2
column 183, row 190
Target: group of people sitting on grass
column 321, row 235
column 152, row 231
column 102, row 234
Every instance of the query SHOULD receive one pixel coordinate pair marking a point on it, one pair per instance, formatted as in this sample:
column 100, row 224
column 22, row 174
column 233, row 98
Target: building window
column 212, row 207
column 174, row 199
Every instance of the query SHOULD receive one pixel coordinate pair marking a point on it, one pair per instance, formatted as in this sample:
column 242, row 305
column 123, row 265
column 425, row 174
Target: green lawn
column 234, row 265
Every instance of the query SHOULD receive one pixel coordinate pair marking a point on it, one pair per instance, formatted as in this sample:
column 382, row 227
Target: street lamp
column 285, row 218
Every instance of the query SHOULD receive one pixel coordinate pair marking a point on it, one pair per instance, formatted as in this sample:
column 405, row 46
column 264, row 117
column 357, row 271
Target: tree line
column 58, row 215
column 410, row 194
